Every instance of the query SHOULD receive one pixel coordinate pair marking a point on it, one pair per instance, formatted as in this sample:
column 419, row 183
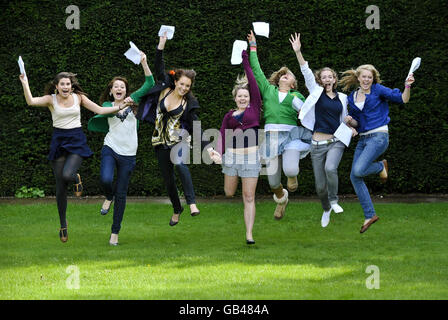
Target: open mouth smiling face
column 64, row 87
column 118, row 90
column 365, row 79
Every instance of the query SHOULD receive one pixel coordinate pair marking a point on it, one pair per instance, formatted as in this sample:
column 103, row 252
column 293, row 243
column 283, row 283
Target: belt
column 318, row 143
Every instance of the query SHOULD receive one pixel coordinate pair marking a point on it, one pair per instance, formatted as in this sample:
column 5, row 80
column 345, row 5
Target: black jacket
column 148, row 104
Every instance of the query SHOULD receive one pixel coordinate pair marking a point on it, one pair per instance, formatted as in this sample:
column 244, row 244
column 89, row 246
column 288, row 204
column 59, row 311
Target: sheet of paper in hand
column 414, row 66
column 133, row 53
column 21, row 66
column 238, row 47
column 169, row 31
column 261, row 29
column 344, row 134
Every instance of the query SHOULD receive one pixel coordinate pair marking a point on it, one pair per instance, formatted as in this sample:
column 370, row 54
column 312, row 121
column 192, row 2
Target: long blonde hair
column 349, row 78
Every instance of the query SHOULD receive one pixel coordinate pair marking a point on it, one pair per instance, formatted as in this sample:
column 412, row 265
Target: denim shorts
column 241, row 165
column 276, row 142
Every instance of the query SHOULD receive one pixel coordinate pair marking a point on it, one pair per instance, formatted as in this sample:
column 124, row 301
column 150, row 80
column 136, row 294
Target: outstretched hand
column 251, row 37
column 295, row 42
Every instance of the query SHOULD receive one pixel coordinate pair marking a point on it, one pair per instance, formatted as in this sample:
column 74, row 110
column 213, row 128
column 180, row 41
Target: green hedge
column 333, row 34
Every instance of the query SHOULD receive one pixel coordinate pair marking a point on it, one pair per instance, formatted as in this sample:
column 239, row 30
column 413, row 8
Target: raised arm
column 92, row 106
column 255, row 96
column 308, row 75
column 407, row 88
column 159, row 63
column 395, row 95
column 144, row 63
column 262, row 82
column 44, row 101
column 296, row 46
column 148, row 84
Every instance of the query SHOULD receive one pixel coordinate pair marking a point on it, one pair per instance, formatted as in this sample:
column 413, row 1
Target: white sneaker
column 325, row 218
column 337, row 208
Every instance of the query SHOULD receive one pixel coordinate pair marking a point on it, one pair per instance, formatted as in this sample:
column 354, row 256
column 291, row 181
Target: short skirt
column 68, row 141
column 276, row 142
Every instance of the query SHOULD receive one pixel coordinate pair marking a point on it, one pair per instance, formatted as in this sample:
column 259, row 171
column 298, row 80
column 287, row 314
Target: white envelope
column 169, row 31
column 133, row 53
column 21, row 66
column 414, row 66
column 261, row 29
column 344, row 134
column 238, row 47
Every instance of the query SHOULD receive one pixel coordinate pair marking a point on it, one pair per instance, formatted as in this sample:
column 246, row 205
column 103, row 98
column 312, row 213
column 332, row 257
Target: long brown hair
column 106, row 96
column 50, row 88
column 176, row 74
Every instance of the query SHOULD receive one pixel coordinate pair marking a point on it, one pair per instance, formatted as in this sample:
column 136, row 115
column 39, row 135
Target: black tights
column 167, row 171
column 65, row 169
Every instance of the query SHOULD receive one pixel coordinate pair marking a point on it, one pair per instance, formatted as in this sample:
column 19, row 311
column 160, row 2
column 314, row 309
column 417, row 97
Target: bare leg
column 249, row 187
column 230, row 185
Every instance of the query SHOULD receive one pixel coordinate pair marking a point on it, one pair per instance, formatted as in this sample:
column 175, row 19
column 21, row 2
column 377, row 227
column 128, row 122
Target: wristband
column 252, row 43
column 407, row 86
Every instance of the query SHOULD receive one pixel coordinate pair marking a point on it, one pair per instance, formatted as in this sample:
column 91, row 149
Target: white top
column 307, row 114
column 360, row 105
column 122, row 136
column 66, row 117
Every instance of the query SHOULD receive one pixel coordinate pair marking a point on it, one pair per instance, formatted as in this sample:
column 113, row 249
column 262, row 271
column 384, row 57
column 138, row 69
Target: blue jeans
column 110, row 161
column 368, row 149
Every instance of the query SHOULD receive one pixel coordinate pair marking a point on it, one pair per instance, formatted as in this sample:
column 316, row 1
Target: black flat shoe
column 250, row 241
column 173, row 223
column 105, row 211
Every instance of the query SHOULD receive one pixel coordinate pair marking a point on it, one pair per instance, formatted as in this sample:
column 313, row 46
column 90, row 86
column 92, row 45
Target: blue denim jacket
column 376, row 108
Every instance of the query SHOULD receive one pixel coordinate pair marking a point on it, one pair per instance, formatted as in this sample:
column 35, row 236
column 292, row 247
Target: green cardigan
column 99, row 122
column 273, row 111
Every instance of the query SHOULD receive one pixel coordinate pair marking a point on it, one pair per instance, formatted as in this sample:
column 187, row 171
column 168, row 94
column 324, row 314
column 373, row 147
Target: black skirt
column 68, row 140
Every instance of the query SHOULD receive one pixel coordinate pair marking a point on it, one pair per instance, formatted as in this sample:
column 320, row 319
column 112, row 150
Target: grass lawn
column 206, row 257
